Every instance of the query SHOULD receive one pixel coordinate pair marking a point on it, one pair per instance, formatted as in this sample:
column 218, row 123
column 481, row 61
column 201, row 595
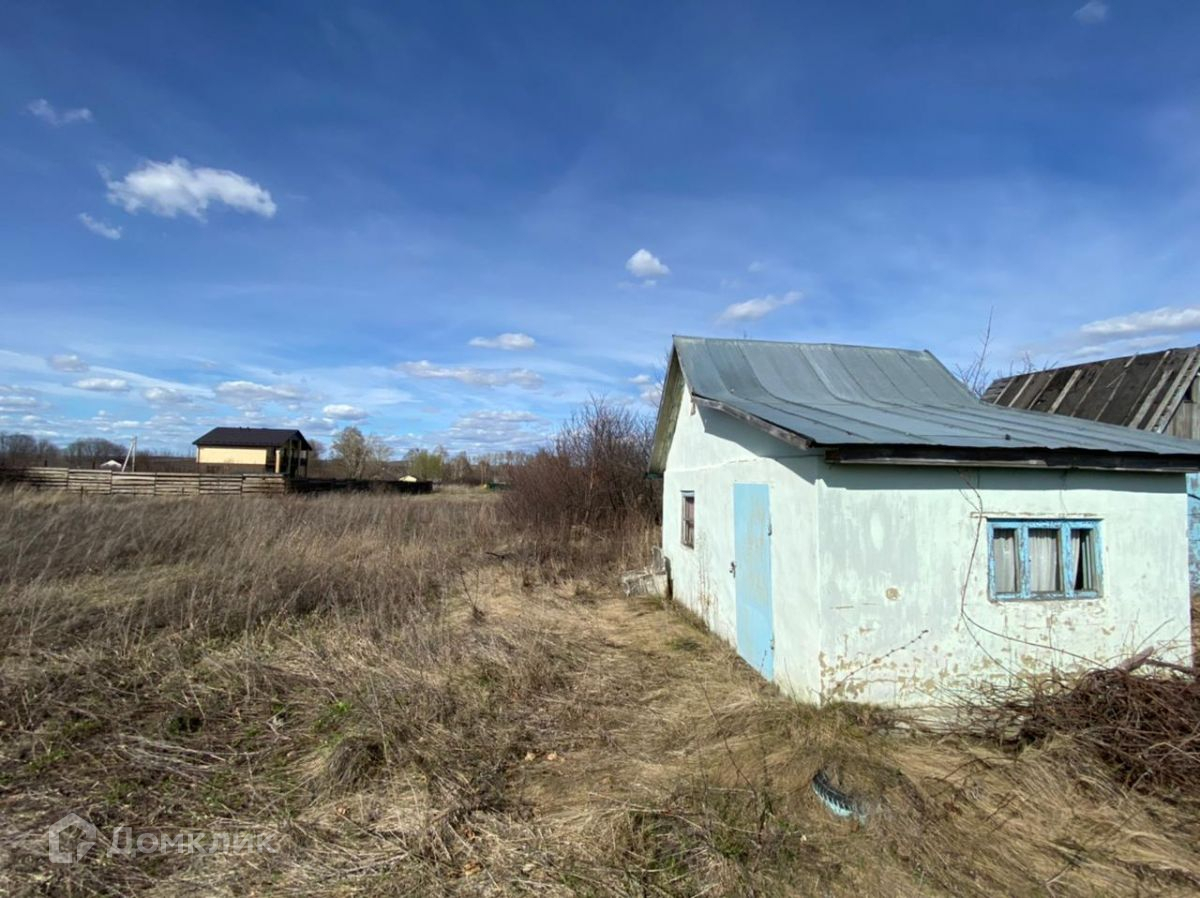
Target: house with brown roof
column 253, row 450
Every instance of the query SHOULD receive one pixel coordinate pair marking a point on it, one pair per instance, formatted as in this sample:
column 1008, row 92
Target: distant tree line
column 359, row 456
column 351, row 454
column 24, row 450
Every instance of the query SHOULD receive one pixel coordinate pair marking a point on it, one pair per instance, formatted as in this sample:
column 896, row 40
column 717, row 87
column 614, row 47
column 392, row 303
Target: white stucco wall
column 709, row 454
column 880, row 573
column 906, row 618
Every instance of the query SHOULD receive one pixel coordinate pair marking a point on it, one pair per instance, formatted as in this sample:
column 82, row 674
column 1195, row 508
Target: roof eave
column 1059, row 459
column 780, row 433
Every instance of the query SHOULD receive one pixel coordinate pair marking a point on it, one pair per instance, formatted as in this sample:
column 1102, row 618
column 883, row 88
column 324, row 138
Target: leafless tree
column 977, row 376
column 359, row 456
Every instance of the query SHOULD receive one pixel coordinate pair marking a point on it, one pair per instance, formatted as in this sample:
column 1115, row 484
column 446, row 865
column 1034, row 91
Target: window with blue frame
column 1044, row 559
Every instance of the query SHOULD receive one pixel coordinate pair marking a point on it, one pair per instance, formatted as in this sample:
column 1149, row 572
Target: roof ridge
column 805, row 343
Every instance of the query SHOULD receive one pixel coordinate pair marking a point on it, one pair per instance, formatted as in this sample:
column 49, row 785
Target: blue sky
column 450, row 223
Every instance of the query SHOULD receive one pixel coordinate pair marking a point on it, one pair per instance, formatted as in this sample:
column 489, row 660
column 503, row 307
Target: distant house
column 1156, row 391
column 858, row 525
column 253, row 449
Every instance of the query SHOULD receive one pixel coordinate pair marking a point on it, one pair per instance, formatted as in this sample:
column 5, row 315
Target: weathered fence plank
column 145, row 483
column 173, row 483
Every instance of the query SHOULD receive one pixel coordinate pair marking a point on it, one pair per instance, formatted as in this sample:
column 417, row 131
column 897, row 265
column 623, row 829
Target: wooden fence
column 160, row 483
column 130, row 483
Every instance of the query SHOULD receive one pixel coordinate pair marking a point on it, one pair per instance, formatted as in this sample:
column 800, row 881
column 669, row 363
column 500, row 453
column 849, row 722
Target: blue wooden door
column 752, row 573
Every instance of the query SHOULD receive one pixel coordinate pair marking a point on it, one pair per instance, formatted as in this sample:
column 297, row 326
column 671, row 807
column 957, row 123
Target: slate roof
column 1141, row 391
column 829, row 395
column 251, row 437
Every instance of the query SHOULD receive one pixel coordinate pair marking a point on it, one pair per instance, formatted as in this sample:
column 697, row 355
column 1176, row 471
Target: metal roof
column 251, row 437
column 830, row 395
column 1141, row 391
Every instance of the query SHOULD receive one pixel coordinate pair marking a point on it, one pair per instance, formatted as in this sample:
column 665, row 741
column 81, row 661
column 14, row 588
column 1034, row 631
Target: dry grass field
column 412, row 696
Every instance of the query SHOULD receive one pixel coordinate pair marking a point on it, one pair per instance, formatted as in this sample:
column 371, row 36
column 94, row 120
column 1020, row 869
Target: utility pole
column 130, row 456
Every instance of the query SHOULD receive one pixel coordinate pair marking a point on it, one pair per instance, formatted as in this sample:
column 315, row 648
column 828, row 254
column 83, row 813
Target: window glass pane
column 1083, row 559
column 1004, row 559
column 1044, row 560
column 688, row 535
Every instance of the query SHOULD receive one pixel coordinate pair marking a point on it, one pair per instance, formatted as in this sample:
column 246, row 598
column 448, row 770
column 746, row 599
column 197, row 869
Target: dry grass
column 412, row 698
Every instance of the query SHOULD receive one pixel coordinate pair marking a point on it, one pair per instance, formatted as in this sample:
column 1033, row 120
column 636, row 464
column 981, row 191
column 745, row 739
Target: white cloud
column 1116, row 348
column 651, row 388
column 166, row 396
column 477, row 377
column 103, row 229
column 105, row 423
column 644, row 264
column 651, row 394
column 67, row 362
column 240, row 392
column 17, row 399
column 342, row 412
column 103, row 384
column 171, row 188
column 51, row 116
column 1161, row 321
column 753, row 309
column 755, row 267
column 1092, row 13
column 314, row 425
column 508, row 342
column 492, row 431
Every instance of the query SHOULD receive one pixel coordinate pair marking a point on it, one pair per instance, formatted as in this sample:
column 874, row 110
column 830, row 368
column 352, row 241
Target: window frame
column 1064, row 526
column 687, row 537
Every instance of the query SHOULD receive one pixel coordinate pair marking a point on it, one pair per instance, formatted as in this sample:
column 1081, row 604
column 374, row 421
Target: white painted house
column 858, row 525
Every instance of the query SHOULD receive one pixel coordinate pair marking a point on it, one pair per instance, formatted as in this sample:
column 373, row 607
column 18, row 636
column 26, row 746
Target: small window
column 1083, row 560
column 1006, row 576
column 1044, row 559
column 688, row 535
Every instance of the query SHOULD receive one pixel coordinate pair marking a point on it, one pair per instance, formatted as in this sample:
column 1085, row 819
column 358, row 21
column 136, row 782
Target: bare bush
column 1146, row 729
column 593, row 476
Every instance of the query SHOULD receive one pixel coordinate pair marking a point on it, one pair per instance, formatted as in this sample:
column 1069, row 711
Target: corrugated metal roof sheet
column 252, row 437
column 833, row 395
column 1141, row 391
